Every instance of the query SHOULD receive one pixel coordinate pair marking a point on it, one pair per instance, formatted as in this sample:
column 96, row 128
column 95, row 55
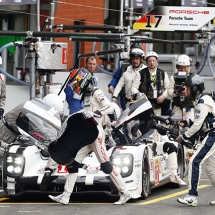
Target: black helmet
column 136, row 45
column 196, row 83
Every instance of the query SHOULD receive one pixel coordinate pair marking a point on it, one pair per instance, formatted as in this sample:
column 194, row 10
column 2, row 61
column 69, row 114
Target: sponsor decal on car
column 156, row 171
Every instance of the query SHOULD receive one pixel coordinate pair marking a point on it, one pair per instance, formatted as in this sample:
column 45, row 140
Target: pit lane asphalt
column 161, row 201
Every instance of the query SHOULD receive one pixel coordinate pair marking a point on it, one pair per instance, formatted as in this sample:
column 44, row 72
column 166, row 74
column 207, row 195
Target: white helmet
column 183, row 60
column 137, row 52
column 55, row 101
column 56, row 91
column 151, row 54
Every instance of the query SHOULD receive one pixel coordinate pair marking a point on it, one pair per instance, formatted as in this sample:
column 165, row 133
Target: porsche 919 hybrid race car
column 142, row 164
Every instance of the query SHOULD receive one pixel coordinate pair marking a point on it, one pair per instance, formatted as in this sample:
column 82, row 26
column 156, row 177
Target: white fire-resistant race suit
column 205, row 121
column 93, row 101
column 130, row 79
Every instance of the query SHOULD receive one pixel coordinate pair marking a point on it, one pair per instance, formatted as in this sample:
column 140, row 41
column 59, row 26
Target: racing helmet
column 151, row 54
column 137, row 52
column 136, row 45
column 80, row 79
column 55, row 101
column 196, row 83
column 183, row 60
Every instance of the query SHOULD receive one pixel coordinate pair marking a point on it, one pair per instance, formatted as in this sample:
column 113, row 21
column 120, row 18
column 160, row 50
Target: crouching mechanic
column 94, row 101
column 204, row 120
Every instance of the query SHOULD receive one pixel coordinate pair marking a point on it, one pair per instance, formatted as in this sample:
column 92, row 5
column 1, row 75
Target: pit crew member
column 153, row 84
column 204, row 121
column 94, row 101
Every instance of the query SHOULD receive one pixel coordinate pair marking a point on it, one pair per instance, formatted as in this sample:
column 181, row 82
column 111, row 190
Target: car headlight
column 14, row 165
column 123, row 164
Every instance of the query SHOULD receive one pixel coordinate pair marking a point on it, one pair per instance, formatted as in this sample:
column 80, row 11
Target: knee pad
column 169, row 147
column 73, row 167
column 107, row 167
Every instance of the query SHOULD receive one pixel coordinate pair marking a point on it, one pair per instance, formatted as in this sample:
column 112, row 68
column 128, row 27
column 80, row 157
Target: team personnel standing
column 153, row 84
column 182, row 106
column 94, row 101
column 118, row 73
column 204, row 121
column 130, row 81
column 2, row 93
column 73, row 99
column 91, row 67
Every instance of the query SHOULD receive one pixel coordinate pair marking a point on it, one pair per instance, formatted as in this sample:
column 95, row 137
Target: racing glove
column 1, row 113
column 184, row 122
column 97, row 114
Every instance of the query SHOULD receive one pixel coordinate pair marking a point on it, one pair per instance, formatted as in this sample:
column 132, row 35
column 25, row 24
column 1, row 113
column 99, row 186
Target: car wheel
column 145, row 176
column 181, row 161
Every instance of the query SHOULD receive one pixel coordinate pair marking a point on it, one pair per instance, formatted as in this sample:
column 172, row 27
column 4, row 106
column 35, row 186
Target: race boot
column 125, row 195
column 173, row 165
column 212, row 203
column 188, row 200
column 62, row 198
column 176, row 179
column 46, row 178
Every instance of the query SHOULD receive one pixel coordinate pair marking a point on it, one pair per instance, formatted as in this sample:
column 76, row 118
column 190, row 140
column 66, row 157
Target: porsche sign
column 170, row 18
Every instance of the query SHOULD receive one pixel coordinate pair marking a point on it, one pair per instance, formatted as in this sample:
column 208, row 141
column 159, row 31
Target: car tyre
column 145, row 176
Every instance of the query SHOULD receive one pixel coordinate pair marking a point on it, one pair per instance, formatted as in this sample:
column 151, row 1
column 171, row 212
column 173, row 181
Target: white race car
column 142, row 164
